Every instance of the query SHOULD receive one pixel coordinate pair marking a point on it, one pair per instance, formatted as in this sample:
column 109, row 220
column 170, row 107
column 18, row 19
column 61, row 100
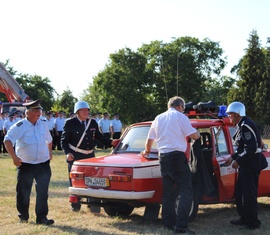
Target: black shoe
column 254, row 225
column 46, row 221
column 169, row 227
column 23, row 221
column 183, row 230
column 237, row 222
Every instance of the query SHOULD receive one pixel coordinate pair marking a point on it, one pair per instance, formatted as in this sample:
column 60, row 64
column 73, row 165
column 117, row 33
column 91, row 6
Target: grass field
column 211, row 219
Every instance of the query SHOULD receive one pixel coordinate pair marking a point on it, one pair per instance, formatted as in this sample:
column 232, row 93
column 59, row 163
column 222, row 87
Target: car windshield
column 134, row 141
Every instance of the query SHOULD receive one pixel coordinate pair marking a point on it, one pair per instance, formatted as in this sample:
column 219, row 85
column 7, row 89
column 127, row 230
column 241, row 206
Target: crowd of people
column 30, row 141
column 112, row 128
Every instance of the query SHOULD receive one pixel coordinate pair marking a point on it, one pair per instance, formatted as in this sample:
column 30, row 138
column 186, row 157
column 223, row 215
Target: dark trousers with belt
column 246, row 197
column 27, row 173
column 176, row 181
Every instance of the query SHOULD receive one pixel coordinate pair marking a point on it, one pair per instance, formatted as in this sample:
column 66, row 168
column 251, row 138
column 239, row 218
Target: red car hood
column 119, row 160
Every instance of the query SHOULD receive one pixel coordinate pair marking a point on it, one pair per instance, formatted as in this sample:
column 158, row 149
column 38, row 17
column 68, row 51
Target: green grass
column 212, row 219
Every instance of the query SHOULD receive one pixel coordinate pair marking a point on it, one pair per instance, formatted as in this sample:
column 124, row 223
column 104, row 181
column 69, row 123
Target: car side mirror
column 265, row 146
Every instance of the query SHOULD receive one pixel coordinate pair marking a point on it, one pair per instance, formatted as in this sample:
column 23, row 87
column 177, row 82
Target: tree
column 37, row 87
column 65, row 102
column 182, row 66
column 122, row 87
column 138, row 84
column 262, row 101
column 218, row 89
column 250, row 84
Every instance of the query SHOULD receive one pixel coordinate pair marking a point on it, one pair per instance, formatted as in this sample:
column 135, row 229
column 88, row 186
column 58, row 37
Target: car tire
column 118, row 209
column 76, row 207
column 194, row 206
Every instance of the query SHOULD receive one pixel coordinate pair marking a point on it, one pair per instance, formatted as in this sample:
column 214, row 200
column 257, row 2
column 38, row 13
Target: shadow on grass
column 82, row 231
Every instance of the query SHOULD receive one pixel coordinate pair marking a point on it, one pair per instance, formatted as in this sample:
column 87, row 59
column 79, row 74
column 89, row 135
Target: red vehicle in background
column 13, row 92
column 124, row 179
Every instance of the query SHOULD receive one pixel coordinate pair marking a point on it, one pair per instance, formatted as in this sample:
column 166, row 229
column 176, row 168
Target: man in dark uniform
column 32, row 158
column 79, row 135
column 246, row 158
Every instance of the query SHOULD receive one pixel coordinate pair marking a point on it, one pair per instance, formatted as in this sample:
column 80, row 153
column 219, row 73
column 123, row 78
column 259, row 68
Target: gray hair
column 175, row 102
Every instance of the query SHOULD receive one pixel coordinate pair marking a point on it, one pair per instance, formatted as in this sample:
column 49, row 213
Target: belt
column 80, row 150
column 169, row 153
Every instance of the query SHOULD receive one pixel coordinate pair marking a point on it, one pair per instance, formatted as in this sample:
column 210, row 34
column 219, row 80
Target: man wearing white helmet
column 246, row 159
column 79, row 136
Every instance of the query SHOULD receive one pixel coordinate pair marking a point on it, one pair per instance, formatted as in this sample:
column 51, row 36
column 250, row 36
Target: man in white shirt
column 116, row 127
column 59, row 125
column 170, row 130
column 104, row 126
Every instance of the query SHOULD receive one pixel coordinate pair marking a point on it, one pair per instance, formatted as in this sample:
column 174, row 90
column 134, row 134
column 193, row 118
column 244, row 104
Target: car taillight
column 73, row 199
column 76, row 175
column 119, row 178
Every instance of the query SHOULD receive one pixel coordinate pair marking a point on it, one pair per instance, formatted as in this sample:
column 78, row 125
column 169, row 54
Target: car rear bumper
column 101, row 193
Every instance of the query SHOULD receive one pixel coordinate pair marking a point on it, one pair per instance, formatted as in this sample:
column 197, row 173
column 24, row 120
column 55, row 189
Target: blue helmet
column 81, row 105
column 237, row 107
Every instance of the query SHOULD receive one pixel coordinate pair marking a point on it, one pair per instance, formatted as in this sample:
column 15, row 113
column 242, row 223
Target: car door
column 226, row 175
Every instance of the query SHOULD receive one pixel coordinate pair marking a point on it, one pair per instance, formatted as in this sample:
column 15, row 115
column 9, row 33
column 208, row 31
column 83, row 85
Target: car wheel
column 76, row 207
column 119, row 209
column 194, row 206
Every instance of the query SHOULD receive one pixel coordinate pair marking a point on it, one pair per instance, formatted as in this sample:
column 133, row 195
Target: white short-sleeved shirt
column 104, row 124
column 59, row 123
column 31, row 141
column 50, row 124
column 8, row 124
column 170, row 130
column 116, row 124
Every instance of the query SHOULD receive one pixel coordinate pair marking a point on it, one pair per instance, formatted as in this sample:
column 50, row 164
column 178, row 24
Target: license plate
column 97, row 182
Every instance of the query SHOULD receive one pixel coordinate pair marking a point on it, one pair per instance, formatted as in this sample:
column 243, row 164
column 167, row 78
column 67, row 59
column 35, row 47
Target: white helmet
column 81, row 105
column 237, row 107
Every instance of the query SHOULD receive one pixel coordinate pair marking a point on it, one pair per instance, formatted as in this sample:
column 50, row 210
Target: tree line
column 137, row 84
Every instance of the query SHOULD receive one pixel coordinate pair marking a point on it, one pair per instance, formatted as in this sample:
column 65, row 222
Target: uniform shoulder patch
column 247, row 135
column 19, row 124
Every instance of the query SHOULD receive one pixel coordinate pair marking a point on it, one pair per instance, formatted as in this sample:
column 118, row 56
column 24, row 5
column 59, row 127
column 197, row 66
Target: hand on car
column 228, row 162
column 235, row 165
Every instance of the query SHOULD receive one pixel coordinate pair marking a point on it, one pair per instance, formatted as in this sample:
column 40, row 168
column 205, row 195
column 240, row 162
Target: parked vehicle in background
column 13, row 91
column 124, row 179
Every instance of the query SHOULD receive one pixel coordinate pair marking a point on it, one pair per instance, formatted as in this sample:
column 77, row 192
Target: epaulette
column 42, row 120
column 19, row 123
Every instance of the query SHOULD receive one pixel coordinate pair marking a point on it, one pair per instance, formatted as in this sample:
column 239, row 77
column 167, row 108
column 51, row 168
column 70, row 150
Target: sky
column 69, row 41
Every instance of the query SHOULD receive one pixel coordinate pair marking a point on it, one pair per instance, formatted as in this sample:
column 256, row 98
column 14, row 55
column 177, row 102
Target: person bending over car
column 170, row 130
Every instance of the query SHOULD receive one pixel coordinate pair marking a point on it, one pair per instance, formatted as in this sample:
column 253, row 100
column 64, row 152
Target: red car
column 124, row 179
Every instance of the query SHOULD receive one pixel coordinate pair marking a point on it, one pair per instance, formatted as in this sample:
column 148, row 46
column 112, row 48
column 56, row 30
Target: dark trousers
column 58, row 140
column 246, row 197
column 116, row 135
column 2, row 146
column 108, row 135
column 27, row 173
column 176, row 181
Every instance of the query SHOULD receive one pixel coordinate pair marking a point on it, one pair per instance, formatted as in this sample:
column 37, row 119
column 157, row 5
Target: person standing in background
column 104, row 126
column 59, row 125
column 8, row 123
column 116, row 127
column 2, row 147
